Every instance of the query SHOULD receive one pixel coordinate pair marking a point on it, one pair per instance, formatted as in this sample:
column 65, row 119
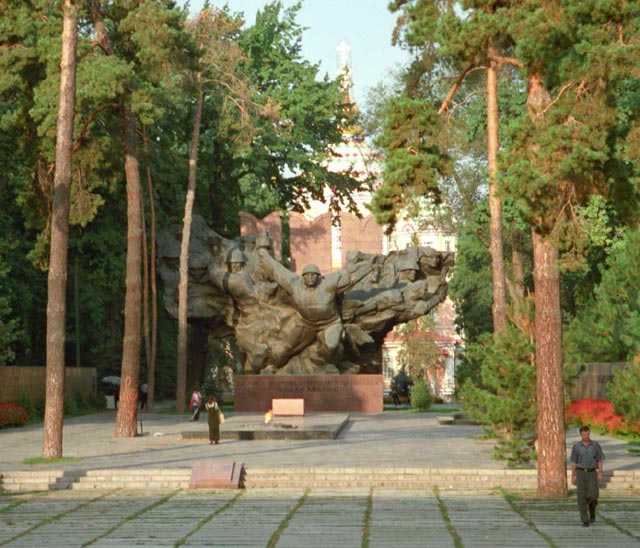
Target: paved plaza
column 382, row 440
column 308, row 519
column 300, row 518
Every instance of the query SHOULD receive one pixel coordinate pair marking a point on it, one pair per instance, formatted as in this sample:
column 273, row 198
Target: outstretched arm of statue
column 277, row 272
column 347, row 278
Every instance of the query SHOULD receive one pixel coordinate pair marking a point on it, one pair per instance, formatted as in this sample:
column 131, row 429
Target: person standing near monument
column 194, row 404
column 586, row 472
column 213, row 420
column 144, row 393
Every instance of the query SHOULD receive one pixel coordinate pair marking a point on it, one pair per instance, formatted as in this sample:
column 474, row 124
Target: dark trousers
column 195, row 413
column 587, row 486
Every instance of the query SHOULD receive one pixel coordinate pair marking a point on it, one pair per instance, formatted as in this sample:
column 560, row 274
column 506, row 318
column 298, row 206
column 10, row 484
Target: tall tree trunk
column 499, row 306
column 183, row 287
column 126, row 420
column 151, row 369
column 146, row 329
column 522, row 302
column 552, row 475
column 57, row 275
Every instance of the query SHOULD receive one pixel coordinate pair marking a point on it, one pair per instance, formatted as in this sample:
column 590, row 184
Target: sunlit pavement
column 297, row 517
column 308, row 519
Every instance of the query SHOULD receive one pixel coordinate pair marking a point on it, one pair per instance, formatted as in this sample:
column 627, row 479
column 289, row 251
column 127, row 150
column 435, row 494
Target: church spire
column 343, row 72
column 343, row 51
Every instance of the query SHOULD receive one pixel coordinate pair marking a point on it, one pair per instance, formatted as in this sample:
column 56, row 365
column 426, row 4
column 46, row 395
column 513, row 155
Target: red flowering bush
column 598, row 414
column 11, row 414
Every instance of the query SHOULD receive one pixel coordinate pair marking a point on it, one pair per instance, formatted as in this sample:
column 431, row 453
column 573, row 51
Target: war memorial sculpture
column 309, row 324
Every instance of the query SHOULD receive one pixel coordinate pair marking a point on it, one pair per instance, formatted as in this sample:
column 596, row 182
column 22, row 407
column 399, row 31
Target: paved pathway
column 308, row 519
column 374, row 440
column 297, row 518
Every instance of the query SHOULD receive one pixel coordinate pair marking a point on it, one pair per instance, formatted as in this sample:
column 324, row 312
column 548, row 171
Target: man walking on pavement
column 586, row 473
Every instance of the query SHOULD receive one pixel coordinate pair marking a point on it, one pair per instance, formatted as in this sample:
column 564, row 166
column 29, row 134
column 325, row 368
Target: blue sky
column 366, row 25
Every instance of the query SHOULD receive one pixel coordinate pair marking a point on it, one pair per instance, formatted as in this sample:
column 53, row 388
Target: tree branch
column 454, row 89
column 78, row 143
column 560, row 94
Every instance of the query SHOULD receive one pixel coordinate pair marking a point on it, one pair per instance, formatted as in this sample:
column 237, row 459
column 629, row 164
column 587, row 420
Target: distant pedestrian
column 586, row 472
column 213, row 419
column 394, row 395
column 194, row 404
column 144, row 389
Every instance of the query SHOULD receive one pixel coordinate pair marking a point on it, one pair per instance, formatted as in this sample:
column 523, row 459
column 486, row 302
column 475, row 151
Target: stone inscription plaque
column 344, row 393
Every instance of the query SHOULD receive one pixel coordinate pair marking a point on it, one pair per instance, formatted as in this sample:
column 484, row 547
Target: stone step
column 36, row 480
column 143, row 485
column 518, row 480
column 167, row 478
column 43, row 480
column 258, row 478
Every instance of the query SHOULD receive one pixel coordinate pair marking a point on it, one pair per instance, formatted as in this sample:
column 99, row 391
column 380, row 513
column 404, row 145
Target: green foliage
column 470, row 286
column 223, row 357
column 580, row 43
column 70, row 405
column 504, row 402
column 75, row 404
column 8, row 324
column 607, row 329
column 34, row 408
column 624, row 395
column 468, row 369
column 419, row 351
column 302, row 116
column 581, row 270
column 414, row 162
column 12, row 414
column 402, row 383
column 421, row 397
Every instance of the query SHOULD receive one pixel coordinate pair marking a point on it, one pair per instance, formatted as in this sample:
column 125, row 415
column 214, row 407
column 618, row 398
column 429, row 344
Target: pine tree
column 57, row 286
column 565, row 149
column 504, row 401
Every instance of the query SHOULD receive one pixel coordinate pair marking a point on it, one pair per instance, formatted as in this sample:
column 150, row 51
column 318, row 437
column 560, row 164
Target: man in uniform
column 586, row 472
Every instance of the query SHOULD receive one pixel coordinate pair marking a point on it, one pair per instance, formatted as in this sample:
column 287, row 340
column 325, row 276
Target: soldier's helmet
column 311, row 269
column 236, row 256
column 264, row 241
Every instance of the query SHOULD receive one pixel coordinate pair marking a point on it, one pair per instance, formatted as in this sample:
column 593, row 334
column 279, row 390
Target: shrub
column 99, row 401
column 421, row 396
column 598, row 414
column 504, row 398
column 28, row 405
column 81, row 401
column 12, row 414
column 70, row 406
column 625, row 396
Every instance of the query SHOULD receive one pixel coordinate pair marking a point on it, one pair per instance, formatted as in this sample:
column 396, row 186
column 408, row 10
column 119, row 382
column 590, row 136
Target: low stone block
column 287, row 407
column 216, row 474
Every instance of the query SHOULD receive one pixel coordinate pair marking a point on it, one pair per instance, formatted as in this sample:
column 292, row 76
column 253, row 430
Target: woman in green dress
column 213, row 419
